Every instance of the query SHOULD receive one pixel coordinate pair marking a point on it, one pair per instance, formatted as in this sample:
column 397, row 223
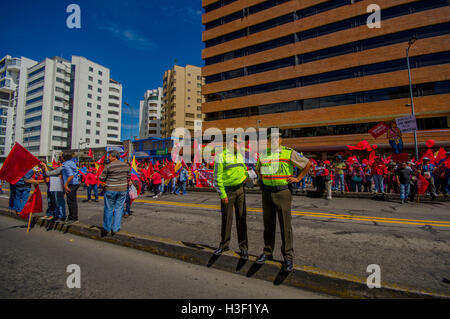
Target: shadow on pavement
column 281, row 277
column 241, row 263
column 213, row 259
column 254, row 269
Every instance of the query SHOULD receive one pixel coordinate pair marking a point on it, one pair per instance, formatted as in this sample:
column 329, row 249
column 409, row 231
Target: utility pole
column 410, row 43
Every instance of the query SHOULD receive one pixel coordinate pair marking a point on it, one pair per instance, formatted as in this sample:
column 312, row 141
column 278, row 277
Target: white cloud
column 131, row 37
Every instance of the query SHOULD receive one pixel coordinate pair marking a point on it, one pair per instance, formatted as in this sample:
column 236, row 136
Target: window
column 99, row 99
column 89, row 104
column 100, row 73
column 100, row 82
column 99, row 107
column 99, row 116
column 89, row 96
column 88, row 122
column 89, row 113
column 89, row 87
column 91, row 79
column 98, row 124
column 91, row 69
column 99, row 90
column 97, row 141
column 97, row 133
column 88, row 131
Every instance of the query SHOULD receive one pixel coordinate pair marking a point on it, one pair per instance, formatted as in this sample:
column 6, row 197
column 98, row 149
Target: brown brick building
column 315, row 69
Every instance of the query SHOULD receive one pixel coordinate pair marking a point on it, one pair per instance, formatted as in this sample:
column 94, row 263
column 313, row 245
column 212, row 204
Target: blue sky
column 136, row 39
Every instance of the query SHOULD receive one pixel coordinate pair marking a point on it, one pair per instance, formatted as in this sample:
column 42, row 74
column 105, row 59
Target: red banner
column 378, row 130
column 17, row 164
column 33, row 205
column 205, row 178
column 167, row 172
column 422, row 185
column 400, row 158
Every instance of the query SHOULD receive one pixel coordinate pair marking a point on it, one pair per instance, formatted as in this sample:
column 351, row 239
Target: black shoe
column 221, row 250
column 244, row 254
column 114, row 233
column 288, row 265
column 103, row 233
column 71, row 222
column 262, row 259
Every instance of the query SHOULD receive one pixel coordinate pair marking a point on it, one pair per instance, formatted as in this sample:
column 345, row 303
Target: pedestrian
column 339, row 167
column 92, row 184
column 117, row 177
column 71, row 179
column 379, row 171
column 230, row 175
column 403, row 175
column 21, row 191
column 367, row 178
column 157, row 181
column 275, row 168
column 394, row 135
column 321, row 176
column 357, row 178
column 427, row 172
column 328, row 179
column 391, row 179
column 440, row 179
column 182, row 181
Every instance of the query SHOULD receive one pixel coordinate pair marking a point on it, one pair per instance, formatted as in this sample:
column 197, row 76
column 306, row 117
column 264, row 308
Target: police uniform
column 230, row 174
column 274, row 169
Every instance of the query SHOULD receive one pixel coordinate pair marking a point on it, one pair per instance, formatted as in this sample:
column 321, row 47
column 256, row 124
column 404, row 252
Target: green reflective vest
column 276, row 168
column 229, row 170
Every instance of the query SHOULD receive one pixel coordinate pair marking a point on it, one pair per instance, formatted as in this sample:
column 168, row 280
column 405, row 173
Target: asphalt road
column 34, row 266
column 409, row 242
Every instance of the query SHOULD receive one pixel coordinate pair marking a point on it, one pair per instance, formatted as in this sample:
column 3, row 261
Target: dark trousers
column 278, row 203
column 236, row 200
column 72, row 202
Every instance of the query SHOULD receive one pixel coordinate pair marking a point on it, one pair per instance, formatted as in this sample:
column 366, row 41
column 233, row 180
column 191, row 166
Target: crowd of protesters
column 358, row 175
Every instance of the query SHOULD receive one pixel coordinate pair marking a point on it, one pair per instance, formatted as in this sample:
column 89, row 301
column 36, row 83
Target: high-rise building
column 61, row 104
column 182, row 99
column 316, row 69
column 150, row 114
column 97, row 105
column 46, row 123
column 13, row 75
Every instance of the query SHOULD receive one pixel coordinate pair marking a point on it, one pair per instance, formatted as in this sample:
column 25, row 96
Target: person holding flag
column 230, row 175
column 22, row 190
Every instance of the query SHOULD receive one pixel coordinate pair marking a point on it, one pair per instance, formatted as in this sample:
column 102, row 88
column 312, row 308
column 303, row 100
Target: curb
column 308, row 278
column 389, row 197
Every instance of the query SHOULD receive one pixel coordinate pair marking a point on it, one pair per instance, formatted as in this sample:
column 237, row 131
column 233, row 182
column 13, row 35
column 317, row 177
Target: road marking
column 388, row 220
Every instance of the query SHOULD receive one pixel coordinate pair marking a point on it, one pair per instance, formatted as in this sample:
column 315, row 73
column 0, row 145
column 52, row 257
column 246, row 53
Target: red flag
column 167, row 172
column 422, row 185
column 362, row 146
column 447, row 163
column 429, row 153
column 91, row 155
column 387, row 160
column 441, row 156
column 102, row 160
column 124, row 155
column 17, row 164
column 54, row 164
column 378, row 130
column 33, row 205
column 149, row 170
column 156, row 167
column 372, row 157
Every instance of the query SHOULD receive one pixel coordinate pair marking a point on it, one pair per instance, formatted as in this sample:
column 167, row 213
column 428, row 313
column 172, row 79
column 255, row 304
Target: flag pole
column 29, row 222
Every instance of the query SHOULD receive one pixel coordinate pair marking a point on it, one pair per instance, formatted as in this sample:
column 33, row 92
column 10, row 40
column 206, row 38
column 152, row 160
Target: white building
column 150, row 114
column 47, row 115
column 13, row 75
column 97, row 106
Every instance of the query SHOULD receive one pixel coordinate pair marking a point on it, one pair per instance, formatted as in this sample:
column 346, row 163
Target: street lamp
column 410, row 43
column 78, row 154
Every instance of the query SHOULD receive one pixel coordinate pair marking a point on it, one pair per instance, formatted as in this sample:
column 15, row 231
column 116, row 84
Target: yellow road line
column 316, row 215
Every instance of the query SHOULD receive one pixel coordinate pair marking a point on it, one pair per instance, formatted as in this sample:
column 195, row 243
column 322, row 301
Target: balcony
column 7, row 86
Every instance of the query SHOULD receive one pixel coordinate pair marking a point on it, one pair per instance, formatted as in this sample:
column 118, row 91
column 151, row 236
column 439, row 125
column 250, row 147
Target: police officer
column 230, row 175
column 275, row 170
